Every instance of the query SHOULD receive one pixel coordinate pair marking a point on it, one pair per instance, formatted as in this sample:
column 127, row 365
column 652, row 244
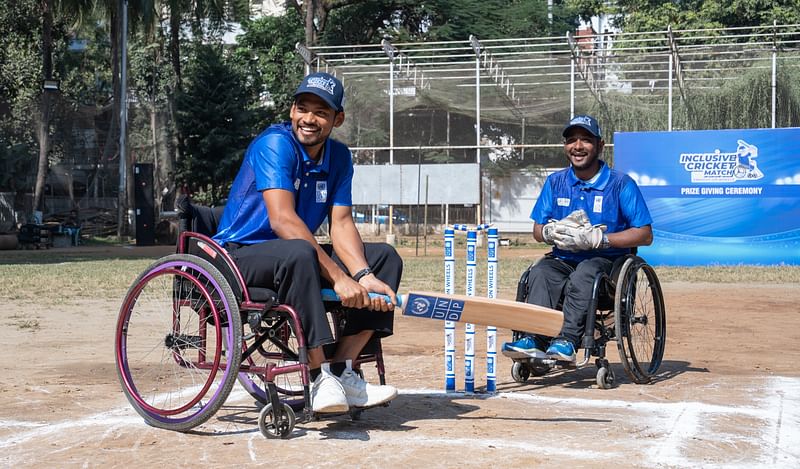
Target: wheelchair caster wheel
column 272, row 427
column 605, row 378
column 520, row 372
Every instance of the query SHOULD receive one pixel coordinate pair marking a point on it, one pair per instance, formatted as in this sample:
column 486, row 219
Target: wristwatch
column 605, row 243
column 361, row 273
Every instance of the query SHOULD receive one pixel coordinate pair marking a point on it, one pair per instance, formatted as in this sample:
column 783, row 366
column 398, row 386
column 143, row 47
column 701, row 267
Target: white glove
column 576, row 219
column 549, row 231
column 582, row 238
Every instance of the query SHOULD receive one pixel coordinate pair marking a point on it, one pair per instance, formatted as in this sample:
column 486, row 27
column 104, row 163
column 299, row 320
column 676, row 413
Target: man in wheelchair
column 292, row 178
column 591, row 215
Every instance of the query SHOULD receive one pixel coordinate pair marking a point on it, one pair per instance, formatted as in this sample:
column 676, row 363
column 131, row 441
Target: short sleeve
column 343, row 194
column 633, row 206
column 274, row 163
column 543, row 208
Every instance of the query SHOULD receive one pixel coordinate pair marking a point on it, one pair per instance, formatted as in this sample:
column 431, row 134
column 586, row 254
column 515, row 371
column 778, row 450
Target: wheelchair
column 189, row 329
column 626, row 307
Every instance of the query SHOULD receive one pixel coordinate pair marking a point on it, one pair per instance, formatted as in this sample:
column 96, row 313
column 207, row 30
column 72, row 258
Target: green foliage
column 651, row 15
column 267, row 52
column 214, row 117
column 444, row 20
column 87, row 74
column 14, row 161
column 21, row 83
column 746, row 103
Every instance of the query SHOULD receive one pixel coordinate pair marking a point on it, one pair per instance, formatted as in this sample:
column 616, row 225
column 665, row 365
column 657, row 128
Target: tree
column 20, row 84
column 214, row 117
column 649, row 15
column 316, row 13
column 267, row 50
column 444, row 20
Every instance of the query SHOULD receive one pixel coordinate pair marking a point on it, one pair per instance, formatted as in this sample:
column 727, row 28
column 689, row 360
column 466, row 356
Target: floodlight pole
column 123, row 123
column 306, row 55
column 669, row 99
column 571, row 76
column 476, row 46
column 774, row 68
column 391, row 52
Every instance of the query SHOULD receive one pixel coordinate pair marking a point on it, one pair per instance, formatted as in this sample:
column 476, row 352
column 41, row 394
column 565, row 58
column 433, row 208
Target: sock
column 338, row 368
column 314, row 372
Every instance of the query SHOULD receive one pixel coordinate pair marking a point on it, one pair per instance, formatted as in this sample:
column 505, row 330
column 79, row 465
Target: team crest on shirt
column 322, row 192
column 598, row 204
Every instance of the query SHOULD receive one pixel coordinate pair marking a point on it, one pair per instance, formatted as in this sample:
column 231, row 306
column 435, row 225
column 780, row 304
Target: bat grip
column 329, row 295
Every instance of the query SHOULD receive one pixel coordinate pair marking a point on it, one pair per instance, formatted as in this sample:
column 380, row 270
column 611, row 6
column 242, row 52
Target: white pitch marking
column 779, row 407
column 782, row 399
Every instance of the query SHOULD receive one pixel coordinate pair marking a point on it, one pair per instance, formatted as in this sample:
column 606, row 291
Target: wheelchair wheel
column 273, row 426
column 275, row 342
column 520, row 372
column 178, row 342
column 640, row 320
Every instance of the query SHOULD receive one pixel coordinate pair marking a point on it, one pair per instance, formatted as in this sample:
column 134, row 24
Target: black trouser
column 291, row 269
column 552, row 278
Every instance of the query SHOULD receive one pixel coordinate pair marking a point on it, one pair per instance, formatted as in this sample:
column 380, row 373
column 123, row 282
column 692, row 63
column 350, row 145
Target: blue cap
column 586, row 122
column 326, row 86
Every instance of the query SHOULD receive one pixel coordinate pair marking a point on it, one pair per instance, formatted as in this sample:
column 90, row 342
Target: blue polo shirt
column 612, row 199
column 276, row 160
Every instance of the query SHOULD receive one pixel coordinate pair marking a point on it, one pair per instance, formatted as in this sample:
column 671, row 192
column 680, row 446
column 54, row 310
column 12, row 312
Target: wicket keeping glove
column 551, row 231
column 582, row 238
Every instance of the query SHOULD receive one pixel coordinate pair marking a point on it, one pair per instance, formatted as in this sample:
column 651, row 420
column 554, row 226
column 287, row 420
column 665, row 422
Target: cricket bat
column 476, row 310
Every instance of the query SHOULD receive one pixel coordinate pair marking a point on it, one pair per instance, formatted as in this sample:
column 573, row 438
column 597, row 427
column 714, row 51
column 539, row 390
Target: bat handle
column 329, row 295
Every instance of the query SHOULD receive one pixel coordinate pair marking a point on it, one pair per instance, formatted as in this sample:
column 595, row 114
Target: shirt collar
column 599, row 184
column 321, row 166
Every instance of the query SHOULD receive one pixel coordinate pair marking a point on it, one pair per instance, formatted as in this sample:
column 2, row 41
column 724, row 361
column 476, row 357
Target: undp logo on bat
column 420, row 306
column 434, row 307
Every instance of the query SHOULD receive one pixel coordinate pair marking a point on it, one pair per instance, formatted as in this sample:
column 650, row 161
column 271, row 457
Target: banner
column 721, row 197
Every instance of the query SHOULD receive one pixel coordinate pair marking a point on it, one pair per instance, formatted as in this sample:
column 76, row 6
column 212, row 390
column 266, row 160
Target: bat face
column 486, row 311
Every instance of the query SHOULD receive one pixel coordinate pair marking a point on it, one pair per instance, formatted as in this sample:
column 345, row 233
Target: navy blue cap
column 586, row 122
column 326, row 86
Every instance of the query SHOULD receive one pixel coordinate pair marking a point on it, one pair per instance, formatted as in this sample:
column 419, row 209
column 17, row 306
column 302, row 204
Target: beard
column 309, row 139
column 585, row 162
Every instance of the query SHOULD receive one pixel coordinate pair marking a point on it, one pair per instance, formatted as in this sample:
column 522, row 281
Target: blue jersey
column 612, row 199
column 276, row 160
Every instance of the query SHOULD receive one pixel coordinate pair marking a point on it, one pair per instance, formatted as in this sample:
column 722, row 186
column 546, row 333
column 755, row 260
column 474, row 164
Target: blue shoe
column 562, row 350
column 526, row 347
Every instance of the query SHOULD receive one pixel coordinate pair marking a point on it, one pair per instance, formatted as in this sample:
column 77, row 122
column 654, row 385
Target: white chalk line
column 778, row 407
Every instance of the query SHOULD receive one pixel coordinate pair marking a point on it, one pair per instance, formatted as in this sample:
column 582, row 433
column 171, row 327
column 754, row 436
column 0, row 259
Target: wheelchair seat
column 205, row 220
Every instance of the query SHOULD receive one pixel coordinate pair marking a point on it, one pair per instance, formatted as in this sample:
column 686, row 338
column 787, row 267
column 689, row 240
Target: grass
column 41, row 276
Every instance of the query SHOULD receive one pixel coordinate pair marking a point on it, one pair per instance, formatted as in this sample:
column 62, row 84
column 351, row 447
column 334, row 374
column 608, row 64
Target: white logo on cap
column 322, row 83
column 585, row 120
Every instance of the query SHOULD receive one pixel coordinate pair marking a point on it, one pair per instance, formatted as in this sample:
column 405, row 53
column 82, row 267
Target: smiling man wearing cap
column 293, row 177
column 591, row 215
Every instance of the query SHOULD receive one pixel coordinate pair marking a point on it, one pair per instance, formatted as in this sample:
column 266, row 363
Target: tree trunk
column 177, row 86
column 311, row 8
column 43, row 132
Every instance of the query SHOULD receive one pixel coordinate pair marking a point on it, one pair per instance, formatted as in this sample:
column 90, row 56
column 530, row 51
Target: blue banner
column 717, row 196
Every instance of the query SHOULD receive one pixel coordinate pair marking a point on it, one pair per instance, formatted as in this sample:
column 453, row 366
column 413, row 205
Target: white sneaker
column 327, row 393
column 362, row 394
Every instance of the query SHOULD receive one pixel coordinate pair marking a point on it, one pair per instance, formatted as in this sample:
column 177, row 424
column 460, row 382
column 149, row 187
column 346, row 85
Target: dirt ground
column 727, row 395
